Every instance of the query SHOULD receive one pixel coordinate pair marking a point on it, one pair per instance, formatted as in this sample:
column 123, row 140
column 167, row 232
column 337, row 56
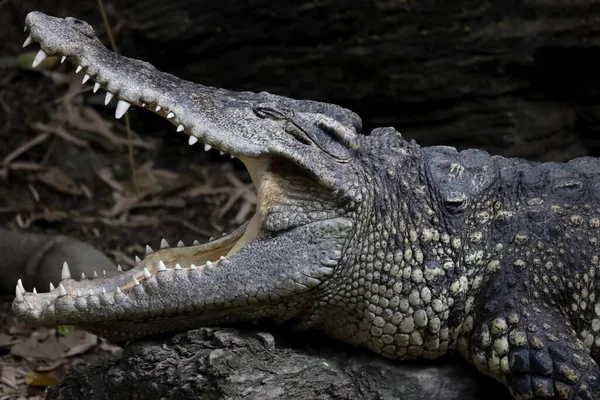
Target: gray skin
column 411, row 252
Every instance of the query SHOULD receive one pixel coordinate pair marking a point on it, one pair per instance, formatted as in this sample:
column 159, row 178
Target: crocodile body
column 411, row 252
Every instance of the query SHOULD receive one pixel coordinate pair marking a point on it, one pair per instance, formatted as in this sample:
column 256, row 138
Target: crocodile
column 412, row 252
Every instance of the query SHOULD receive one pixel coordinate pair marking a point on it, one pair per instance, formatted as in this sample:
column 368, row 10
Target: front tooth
column 61, row 290
column 96, row 87
column 147, row 273
column 20, row 286
column 86, row 77
column 207, row 147
column 136, row 282
column 162, row 266
column 39, row 57
column 148, row 249
column 208, row 263
column 196, row 243
column 164, row 244
column 119, row 268
column 157, row 109
column 180, row 128
column 51, row 286
column 82, row 276
column 19, row 294
column 65, row 273
column 62, row 59
column 180, row 244
column 108, row 98
column 137, row 259
column 192, row 140
column 193, row 267
column 34, row 291
column 79, row 68
column 177, row 266
column 122, row 107
column 27, row 41
column 170, row 115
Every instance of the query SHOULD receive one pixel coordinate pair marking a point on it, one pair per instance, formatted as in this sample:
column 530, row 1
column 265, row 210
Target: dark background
column 518, row 78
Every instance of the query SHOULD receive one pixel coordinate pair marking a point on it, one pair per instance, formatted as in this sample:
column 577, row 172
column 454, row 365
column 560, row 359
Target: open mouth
column 198, row 257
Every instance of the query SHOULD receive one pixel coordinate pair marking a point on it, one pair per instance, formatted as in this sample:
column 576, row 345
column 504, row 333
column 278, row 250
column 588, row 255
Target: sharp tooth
column 192, row 140
column 19, row 294
column 61, row 290
column 164, row 244
column 78, row 69
column 108, row 98
column 209, row 264
column 62, row 59
column 118, row 289
column 221, row 152
column 119, row 268
column 170, row 115
column 196, row 243
column 147, row 273
column 157, row 108
column 137, row 259
column 232, row 156
column 25, row 28
column 148, row 249
column 82, row 276
column 95, row 274
column 103, row 272
column 27, row 41
column 78, row 293
column 180, row 128
column 34, row 291
column 51, row 286
column 86, row 78
column 207, row 147
column 65, row 273
column 20, row 286
column 222, row 258
column 210, row 239
column 177, row 266
column 96, row 87
column 180, row 244
column 39, row 57
column 103, row 290
column 122, row 107
column 91, row 292
column 193, row 267
column 136, row 282
column 224, row 234
column 162, row 266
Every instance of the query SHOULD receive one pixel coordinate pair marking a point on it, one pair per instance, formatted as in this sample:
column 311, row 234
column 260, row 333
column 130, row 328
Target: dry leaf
column 40, row 380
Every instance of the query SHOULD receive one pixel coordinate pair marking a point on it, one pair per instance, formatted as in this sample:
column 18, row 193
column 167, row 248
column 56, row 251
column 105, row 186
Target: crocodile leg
column 530, row 347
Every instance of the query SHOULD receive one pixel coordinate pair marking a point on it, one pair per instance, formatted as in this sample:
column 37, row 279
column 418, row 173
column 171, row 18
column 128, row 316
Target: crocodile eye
column 268, row 112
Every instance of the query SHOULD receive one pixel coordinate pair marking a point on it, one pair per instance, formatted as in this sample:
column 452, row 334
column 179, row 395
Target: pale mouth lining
column 197, row 256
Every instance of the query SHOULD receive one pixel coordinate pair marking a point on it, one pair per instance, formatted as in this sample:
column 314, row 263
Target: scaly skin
column 411, row 252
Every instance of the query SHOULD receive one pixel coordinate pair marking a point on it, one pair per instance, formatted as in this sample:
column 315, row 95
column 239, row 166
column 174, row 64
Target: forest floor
column 66, row 168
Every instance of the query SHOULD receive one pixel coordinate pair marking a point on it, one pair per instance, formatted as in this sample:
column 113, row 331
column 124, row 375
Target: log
column 215, row 363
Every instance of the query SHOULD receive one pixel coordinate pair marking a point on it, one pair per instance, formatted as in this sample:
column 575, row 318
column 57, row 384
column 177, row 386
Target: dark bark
column 516, row 78
column 215, row 363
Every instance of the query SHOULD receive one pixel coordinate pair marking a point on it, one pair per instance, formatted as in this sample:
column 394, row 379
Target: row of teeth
column 66, row 272
column 122, row 105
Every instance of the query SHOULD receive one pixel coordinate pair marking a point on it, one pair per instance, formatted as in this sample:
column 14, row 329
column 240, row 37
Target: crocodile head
column 304, row 158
